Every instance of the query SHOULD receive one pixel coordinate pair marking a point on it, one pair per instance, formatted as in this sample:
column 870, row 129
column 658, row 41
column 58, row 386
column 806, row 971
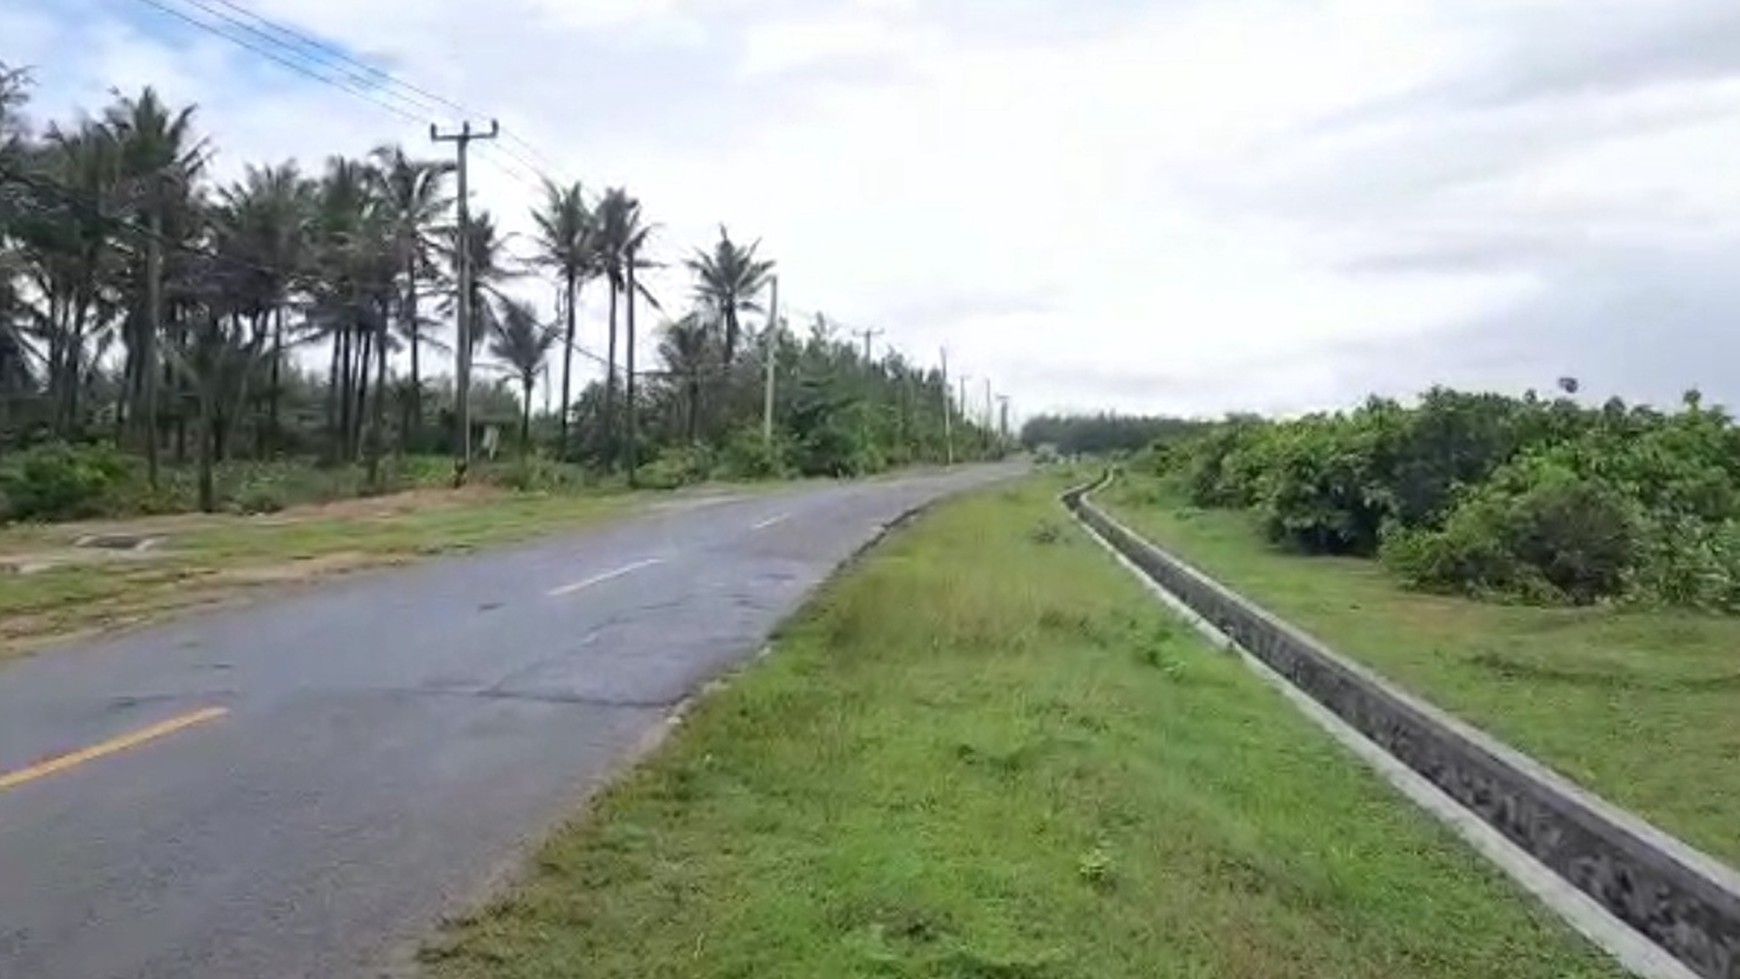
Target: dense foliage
column 1102, row 433
column 175, row 322
column 1530, row 499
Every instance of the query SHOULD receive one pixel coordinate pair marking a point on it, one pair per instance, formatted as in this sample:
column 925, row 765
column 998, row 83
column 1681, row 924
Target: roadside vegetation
column 1544, row 502
column 1562, row 576
column 985, row 752
column 173, row 341
column 1107, row 432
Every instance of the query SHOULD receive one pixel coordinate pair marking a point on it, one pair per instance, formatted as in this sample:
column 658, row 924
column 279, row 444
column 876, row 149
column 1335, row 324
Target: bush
column 838, row 448
column 747, row 455
column 677, row 466
column 259, row 498
column 61, row 482
column 531, row 474
column 1524, row 497
column 1540, row 532
column 1690, row 563
column 1322, row 489
column 1219, row 469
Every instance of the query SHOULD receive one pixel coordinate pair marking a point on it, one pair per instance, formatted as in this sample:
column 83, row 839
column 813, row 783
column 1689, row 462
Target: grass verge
column 1643, row 707
column 208, row 559
column 985, row 752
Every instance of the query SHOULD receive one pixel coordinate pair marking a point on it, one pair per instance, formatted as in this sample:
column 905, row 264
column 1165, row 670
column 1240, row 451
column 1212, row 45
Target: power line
column 341, row 56
column 352, row 76
column 293, row 66
column 357, row 72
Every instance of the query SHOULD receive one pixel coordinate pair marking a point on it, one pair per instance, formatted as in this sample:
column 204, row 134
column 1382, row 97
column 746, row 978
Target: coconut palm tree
column 729, row 280
column 632, row 263
column 263, row 225
column 620, row 235
column 18, row 360
column 566, row 242
column 522, row 344
column 689, row 348
column 160, row 159
column 217, row 355
column 353, row 297
column 69, row 246
column 414, row 195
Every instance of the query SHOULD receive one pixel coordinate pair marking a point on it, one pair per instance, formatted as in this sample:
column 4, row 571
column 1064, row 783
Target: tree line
column 301, row 312
column 1533, row 499
column 1103, row 432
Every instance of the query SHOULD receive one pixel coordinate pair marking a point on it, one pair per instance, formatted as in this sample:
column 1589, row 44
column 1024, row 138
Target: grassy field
column 986, row 753
column 207, row 559
column 1642, row 707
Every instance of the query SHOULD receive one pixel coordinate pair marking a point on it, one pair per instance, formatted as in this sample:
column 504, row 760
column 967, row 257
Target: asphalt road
column 303, row 787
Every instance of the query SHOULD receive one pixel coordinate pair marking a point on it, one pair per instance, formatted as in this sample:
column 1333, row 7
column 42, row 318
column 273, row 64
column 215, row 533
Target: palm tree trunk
column 629, row 447
column 207, row 482
column 573, row 293
column 53, row 367
column 365, row 349
column 378, row 427
column 610, row 384
column 75, row 367
column 694, row 419
column 414, row 430
column 526, row 414
column 126, row 393
column 148, row 345
column 332, row 396
column 275, row 395
column 347, row 385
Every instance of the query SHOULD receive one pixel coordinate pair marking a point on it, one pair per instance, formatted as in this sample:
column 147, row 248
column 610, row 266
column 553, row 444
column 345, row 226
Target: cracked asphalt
column 357, row 759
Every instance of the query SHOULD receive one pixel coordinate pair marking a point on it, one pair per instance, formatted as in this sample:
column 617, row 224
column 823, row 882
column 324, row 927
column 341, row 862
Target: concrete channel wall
column 1684, row 901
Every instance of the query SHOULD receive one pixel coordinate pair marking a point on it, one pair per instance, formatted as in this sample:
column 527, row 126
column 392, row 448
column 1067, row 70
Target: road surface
column 303, row 787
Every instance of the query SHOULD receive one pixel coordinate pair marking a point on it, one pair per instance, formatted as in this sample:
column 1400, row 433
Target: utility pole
column 1003, row 401
column 148, row 372
column 630, row 448
column 770, row 345
column 948, row 413
column 868, row 336
column 864, row 419
column 462, row 353
column 988, row 415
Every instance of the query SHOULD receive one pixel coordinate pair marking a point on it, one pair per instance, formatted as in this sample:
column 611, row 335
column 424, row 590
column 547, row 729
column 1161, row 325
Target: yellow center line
column 73, row 759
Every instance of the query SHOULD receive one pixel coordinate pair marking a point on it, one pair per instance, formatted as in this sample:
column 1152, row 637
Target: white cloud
column 1175, row 204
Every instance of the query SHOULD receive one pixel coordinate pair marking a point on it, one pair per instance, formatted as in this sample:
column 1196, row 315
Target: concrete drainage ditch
column 1627, row 880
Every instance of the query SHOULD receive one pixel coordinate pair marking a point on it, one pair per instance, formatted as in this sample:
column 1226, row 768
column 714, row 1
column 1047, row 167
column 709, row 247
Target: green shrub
column 1542, row 500
column 531, row 474
column 1221, row 468
column 61, row 482
column 747, row 455
column 1689, row 562
column 677, row 466
column 1538, row 532
column 838, row 448
column 259, row 498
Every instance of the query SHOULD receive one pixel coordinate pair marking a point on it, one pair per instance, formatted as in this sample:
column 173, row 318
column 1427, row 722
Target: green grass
column 206, row 559
column 985, row 752
column 1643, row 707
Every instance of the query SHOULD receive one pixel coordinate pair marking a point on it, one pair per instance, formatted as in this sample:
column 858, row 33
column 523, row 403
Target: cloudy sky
column 1148, row 205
